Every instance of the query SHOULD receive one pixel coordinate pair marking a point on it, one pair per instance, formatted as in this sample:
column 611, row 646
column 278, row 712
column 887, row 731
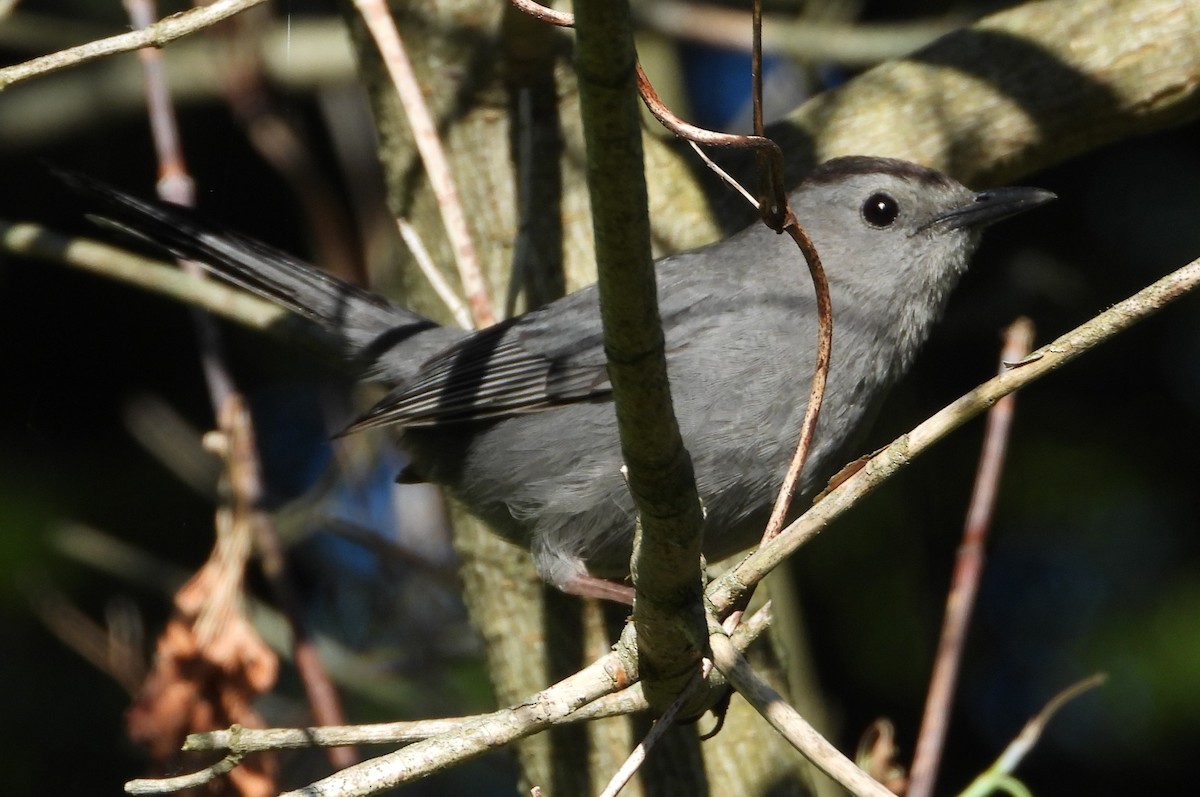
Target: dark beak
column 994, row 205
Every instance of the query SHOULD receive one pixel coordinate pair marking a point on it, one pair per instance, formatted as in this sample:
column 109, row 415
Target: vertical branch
column 756, row 68
column 666, row 559
column 175, row 185
column 1018, row 339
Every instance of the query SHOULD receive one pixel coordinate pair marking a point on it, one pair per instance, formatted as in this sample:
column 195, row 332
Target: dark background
column 1094, row 564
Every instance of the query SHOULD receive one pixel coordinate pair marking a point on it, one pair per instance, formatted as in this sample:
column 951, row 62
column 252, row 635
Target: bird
column 516, row 420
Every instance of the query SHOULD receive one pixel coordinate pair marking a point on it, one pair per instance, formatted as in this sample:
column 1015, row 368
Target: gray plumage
column 516, row 421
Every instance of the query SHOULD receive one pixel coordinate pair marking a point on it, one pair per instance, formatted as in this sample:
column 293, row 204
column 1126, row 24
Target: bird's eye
column 880, row 210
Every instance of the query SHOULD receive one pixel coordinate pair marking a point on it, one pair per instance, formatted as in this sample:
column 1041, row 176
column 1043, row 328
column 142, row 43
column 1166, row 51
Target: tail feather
column 368, row 325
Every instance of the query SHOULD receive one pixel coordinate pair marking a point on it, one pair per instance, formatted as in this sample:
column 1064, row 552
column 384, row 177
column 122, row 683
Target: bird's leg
column 586, row 586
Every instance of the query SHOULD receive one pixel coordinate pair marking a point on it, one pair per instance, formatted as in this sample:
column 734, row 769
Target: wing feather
column 491, row 374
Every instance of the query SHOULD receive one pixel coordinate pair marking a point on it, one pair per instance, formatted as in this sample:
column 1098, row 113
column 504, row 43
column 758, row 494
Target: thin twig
column 773, row 198
column 181, row 782
column 776, row 214
column 772, row 207
column 756, row 67
column 412, row 239
column 461, row 739
column 968, row 567
column 816, row 395
column 50, row 111
column 159, row 34
column 249, row 740
column 636, row 758
column 772, row 179
column 788, row 722
column 563, row 19
column 227, row 301
column 378, row 19
column 489, row 732
column 176, row 185
column 1001, row 770
column 771, row 189
column 725, row 176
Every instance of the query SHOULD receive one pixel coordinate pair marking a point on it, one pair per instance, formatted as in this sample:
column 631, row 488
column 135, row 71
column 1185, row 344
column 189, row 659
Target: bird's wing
column 526, row 364
column 550, row 357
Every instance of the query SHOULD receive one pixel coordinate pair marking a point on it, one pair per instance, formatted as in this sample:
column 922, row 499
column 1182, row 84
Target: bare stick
column 562, row 19
column 487, row 733
column 772, row 206
column 788, row 722
column 412, row 239
column 725, row 176
column 181, row 782
column 635, row 760
column 756, row 67
column 175, row 185
column 379, row 21
column 968, row 568
column 249, row 740
column 159, row 34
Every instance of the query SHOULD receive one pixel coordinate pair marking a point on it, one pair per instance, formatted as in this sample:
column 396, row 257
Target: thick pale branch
column 1018, row 91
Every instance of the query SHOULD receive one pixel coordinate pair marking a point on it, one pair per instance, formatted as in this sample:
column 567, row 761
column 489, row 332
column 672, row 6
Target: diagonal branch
column 968, row 567
column 379, row 22
column 159, row 34
column 788, row 722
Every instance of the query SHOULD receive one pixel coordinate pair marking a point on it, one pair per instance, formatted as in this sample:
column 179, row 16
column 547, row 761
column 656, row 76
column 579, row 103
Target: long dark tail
column 369, row 326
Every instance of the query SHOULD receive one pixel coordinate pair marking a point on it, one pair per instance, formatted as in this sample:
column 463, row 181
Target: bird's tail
column 368, row 325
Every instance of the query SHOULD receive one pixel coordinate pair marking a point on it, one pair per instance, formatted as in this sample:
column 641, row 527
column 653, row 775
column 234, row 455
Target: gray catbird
column 516, row 420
